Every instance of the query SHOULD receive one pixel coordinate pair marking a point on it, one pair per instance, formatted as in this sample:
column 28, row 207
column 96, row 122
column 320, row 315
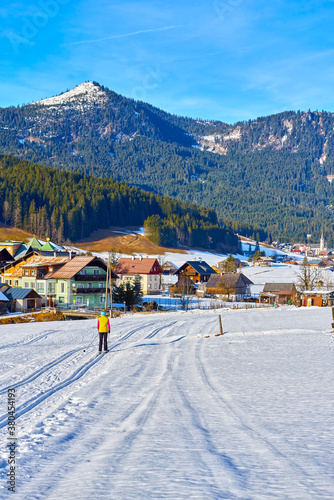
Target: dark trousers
column 103, row 338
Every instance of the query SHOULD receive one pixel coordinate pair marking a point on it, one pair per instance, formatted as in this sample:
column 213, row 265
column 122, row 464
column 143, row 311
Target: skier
column 103, row 327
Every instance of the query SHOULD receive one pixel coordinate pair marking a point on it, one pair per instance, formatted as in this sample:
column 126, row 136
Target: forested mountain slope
column 70, row 206
column 269, row 175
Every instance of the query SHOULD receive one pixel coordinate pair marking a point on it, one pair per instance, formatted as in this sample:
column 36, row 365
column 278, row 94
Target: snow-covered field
column 173, row 411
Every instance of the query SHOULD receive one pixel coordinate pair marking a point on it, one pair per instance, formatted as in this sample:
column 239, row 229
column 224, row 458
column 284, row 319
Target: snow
column 87, row 90
column 173, row 411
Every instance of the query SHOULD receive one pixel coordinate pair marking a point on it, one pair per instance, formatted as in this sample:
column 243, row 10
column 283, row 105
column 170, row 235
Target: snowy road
column 173, row 411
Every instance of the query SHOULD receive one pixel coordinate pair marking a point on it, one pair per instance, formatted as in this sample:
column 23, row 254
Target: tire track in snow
column 304, row 481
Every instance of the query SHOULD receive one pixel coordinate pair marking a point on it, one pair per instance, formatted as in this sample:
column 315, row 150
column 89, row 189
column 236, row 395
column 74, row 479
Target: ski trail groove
column 35, row 401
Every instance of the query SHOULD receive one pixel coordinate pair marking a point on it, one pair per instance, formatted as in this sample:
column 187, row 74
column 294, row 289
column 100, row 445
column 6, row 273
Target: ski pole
column 91, row 342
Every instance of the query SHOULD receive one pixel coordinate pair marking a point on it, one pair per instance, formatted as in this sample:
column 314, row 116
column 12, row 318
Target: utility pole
column 106, row 296
column 109, row 269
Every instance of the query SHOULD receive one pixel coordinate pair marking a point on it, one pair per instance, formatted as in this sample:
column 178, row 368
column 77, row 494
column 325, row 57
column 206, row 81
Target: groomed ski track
column 172, row 411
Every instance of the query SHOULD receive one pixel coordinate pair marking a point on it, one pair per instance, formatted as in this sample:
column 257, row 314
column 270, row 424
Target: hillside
column 68, row 207
column 172, row 411
column 270, row 175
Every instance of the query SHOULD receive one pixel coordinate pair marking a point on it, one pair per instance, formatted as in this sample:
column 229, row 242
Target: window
column 61, row 300
column 32, row 272
column 62, row 287
column 25, row 284
column 90, row 285
column 32, row 284
column 96, row 272
column 79, row 285
column 101, row 285
column 102, row 299
column 83, row 271
column 16, row 283
column 26, row 272
column 79, row 300
column 40, row 287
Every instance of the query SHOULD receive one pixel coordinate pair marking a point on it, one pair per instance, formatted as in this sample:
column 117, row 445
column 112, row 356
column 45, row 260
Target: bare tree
column 308, row 277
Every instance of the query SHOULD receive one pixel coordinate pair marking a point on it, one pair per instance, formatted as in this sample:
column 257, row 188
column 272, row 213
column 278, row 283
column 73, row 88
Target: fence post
column 333, row 317
column 220, row 325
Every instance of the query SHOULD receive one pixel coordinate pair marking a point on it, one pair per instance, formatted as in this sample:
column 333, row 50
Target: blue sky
column 227, row 60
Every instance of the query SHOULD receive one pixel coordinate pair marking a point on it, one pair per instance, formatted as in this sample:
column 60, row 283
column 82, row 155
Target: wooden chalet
column 183, row 286
column 197, row 270
column 229, row 286
column 279, row 293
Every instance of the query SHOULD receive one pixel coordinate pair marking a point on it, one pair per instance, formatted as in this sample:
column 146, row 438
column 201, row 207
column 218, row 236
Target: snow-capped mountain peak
column 88, row 91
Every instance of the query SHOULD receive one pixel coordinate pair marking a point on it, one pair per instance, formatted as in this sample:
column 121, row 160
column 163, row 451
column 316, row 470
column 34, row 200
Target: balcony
column 91, row 277
column 85, row 291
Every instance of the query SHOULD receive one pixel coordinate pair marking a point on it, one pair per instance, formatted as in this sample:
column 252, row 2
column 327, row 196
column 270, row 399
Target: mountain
column 271, row 176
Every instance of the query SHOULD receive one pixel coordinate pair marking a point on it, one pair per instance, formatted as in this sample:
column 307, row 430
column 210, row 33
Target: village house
column 34, row 272
column 169, row 268
column 81, row 282
column 183, row 286
column 279, row 293
column 23, row 299
column 197, row 270
column 147, row 269
column 229, row 286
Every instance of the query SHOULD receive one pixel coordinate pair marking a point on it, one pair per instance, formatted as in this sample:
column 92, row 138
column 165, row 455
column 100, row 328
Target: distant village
column 40, row 275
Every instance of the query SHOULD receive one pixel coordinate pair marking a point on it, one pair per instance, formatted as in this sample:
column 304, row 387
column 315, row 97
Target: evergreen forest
column 69, row 206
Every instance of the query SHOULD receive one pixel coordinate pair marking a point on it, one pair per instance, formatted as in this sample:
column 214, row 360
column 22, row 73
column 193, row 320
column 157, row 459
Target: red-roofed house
column 148, row 269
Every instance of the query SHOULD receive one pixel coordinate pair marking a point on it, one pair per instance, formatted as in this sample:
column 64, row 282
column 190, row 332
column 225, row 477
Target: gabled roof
column 34, row 243
column 3, row 297
column 39, row 261
column 201, row 267
column 21, row 293
column 130, row 266
column 23, row 250
column 48, row 247
column 278, row 287
column 228, row 280
column 74, row 266
column 5, row 256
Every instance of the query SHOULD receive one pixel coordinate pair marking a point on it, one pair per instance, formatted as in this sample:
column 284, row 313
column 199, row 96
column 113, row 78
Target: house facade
column 23, row 299
column 229, row 286
column 81, row 282
column 279, row 293
column 34, row 272
column 147, row 269
column 196, row 270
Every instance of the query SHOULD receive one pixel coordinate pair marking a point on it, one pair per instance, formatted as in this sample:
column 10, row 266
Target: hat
column 103, row 312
